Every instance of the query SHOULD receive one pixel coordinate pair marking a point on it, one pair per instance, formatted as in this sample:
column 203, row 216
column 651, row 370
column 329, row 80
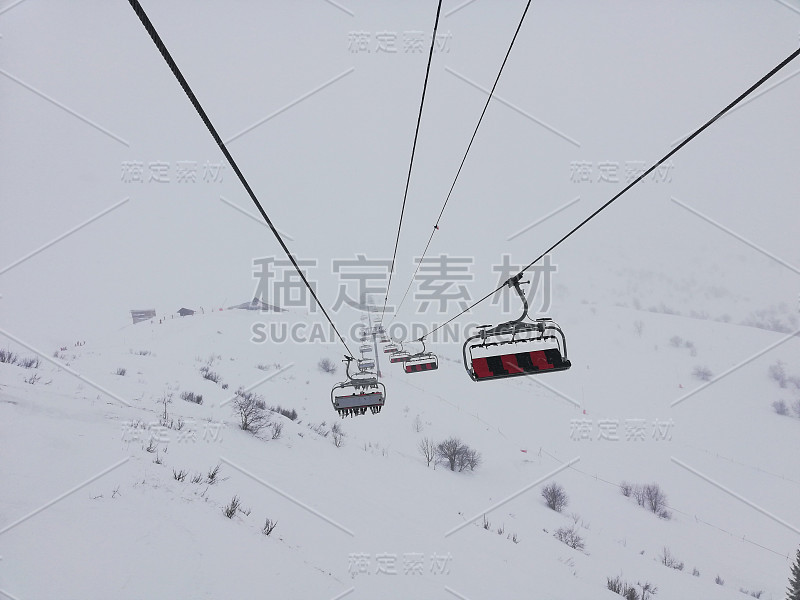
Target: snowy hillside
column 338, row 509
column 678, row 302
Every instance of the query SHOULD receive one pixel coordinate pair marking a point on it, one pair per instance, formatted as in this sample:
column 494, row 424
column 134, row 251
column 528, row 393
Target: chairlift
column 399, row 355
column 360, row 392
column 533, row 347
column 422, row 361
column 365, row 348
column 365, row 364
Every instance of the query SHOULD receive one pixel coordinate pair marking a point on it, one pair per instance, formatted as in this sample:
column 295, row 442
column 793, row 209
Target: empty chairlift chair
column 399, row 355
column 360, row 392
column 516, row 347
column 422, row 361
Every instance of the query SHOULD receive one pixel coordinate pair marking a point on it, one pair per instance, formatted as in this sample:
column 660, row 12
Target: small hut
column 184, row 312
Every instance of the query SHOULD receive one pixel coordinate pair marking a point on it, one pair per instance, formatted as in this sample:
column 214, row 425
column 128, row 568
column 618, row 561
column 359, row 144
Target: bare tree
column 427, row 448
column 448, row 451
column 251, row 410
column 457, row 454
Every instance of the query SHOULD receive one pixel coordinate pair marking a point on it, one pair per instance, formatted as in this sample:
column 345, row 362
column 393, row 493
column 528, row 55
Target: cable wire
column 464, row 159
column 148, row 25
column 413, row 151
column 666, row 157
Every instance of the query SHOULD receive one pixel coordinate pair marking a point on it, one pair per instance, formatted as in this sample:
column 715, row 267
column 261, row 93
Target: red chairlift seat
column 531, row 348
column 422, row 361
column 399, row 356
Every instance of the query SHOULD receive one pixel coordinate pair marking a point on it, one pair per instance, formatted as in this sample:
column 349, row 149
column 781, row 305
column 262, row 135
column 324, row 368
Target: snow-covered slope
column 344, row 513
column 690, row 276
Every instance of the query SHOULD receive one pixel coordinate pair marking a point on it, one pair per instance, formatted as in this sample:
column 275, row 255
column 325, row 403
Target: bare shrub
column 197, row 478
column 655, row 498
column 486, row 525
column 207, row 373
column 427, row 448
column 796, row 408
column 269, row 525
column 780, row 407
column 777, row 373
column 753, row 594
column 33, row 378
column 192, row 397
column 669, row 560
column 326, row 365
column 570, row 537
column 649, row 496
column 695, row 572
column 676, row 341
column 29, row 362
column 555, row 497
column 338, row 435
column 623, row 588
column 277, row 430
column 702, row 373
column 719, row 580
column 647, row 590
column 9, row 357
column 179, row 475
column 230, row 510
column 213, row 475
column 290, row 414
column 251, row 410
column 121, row 371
